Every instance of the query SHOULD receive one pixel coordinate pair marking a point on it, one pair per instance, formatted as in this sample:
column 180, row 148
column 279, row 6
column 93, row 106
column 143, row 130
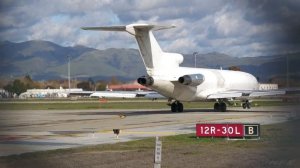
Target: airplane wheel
column 216, row 107
column 248, row 105
column 174, row 107
column 180, row 107
column 244, row 105
column 223, row 107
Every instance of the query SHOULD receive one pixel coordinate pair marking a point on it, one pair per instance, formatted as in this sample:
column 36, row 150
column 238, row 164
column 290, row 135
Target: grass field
column 113, row 104
column 278, row 147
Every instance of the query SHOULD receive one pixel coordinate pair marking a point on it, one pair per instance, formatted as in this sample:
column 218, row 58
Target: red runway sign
column 219, row 130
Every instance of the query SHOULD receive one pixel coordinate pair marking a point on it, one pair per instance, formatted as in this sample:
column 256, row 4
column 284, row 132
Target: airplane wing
column 245, row 94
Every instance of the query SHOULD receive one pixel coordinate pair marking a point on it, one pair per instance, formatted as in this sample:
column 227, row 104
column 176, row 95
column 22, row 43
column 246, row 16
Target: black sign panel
column 251, row 130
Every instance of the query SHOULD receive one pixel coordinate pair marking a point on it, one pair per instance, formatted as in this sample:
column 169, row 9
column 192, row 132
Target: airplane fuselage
column 214, row 81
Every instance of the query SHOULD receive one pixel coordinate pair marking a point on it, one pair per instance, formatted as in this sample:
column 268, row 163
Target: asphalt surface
column 24, row 131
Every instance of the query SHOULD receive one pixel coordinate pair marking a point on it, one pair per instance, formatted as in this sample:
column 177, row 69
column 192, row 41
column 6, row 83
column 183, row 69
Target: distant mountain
column 34, row 57
column 44, row 60
column 263, row 67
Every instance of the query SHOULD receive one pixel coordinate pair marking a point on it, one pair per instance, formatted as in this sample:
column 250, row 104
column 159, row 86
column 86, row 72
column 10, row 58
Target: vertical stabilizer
column 155, row 60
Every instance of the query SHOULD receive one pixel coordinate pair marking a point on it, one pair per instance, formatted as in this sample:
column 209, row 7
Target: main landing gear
column 176, row 106
column 246, row 104
column 220, row 106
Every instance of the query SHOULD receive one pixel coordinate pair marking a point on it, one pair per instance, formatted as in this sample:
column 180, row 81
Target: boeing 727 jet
column 186, row 84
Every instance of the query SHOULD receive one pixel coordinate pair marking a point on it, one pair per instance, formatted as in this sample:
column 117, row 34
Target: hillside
column 44, row 60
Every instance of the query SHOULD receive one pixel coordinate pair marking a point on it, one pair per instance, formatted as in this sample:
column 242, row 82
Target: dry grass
column 278, row 147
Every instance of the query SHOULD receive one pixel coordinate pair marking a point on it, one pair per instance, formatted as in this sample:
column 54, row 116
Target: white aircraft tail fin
column 155, row 60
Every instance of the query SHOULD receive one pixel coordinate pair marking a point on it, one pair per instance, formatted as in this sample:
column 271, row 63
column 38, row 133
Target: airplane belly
column 184, row 93
column 163, row 87
column 175, row 90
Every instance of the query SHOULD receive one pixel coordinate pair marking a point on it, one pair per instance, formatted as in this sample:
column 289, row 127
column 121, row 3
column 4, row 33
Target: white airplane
column 186, row 84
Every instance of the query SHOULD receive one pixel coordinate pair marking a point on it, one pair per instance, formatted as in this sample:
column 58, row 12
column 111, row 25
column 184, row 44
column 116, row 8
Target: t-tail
column 155, row 60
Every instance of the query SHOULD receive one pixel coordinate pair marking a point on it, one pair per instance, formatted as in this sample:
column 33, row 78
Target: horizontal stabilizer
column 152, row 27
column 110, row 28
column 128, row 27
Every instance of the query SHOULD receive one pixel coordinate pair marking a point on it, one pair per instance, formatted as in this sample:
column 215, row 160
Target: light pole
column 195, row 56
column 287, row 72
column 69, row 79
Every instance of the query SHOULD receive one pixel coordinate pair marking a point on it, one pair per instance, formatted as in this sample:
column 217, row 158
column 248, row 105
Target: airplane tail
column 155, row 60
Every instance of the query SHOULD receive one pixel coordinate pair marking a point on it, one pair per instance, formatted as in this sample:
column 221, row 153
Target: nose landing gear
column 246, row 104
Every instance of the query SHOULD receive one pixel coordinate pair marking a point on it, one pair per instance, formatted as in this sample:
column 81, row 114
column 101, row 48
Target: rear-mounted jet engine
column 192, row 80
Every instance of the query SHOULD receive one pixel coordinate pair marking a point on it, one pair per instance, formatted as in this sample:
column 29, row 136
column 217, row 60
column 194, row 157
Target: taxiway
column 24, row 131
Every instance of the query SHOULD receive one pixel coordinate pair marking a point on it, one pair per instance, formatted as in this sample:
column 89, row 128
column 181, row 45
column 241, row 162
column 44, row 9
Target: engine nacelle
column 145, row 80
column 192, row 80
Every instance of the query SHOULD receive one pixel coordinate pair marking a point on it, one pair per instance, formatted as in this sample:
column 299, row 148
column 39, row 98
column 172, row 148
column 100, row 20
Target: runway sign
column 227, row 130
column 220, row 130
column 252, row 130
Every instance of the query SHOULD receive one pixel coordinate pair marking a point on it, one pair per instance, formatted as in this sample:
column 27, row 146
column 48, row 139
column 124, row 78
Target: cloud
column 245, row 28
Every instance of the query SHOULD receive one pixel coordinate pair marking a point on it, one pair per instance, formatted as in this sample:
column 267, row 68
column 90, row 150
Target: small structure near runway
column 157, row 153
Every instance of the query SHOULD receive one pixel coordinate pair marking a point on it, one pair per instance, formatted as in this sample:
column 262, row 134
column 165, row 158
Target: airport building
column 5, row 94
column 48, row 93
column 112, row 90
column 268, row 86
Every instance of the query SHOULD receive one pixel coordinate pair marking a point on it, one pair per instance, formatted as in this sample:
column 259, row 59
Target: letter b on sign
column 252, row 130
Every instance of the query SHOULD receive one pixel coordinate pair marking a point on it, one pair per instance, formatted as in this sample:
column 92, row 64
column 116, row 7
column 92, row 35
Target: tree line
column 22, row 84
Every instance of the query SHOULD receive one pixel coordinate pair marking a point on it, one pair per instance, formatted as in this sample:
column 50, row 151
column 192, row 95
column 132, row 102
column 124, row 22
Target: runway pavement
column 37, row 130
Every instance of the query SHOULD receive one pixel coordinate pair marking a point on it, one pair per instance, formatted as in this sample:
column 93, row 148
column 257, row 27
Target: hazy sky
column 237, row 28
